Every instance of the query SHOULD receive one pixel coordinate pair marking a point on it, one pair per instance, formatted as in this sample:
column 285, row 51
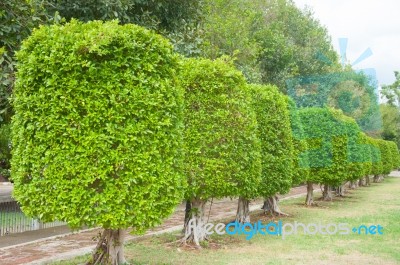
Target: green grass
column 377, row 204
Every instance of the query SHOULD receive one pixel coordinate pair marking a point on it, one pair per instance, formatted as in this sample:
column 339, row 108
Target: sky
column 373, row 24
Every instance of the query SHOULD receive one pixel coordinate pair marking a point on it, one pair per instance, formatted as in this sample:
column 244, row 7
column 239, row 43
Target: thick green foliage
column 275, row 134
column 301, row 168
column 350, row 91
column 5, row 150
column 222, row 150
column 394, row 153
column 327, row 137
column 376, row 160
column 386, row 155
column 359, row 153
column 390, row 123
column 17, row 19
column 97, row 132
column 161, row 14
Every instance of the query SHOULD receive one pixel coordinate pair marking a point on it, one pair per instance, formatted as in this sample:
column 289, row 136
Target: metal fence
column 13, row 220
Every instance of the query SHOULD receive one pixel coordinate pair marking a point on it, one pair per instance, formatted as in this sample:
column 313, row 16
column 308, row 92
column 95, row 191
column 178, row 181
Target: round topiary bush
column 274, row 131
column 327, row 134
column 394, row 154
column 222, row 150
column 386, row 158
column 97, row 131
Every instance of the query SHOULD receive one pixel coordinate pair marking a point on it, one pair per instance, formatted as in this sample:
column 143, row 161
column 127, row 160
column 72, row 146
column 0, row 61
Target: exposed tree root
column 340, row 190
column 352, row 185
column 271, row 206
column 327, row 193
column 310, row 194
column 110, row 248
column 194, row 227
column 243, row 211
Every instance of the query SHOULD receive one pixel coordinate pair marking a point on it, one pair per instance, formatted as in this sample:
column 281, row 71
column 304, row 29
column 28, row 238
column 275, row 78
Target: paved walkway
column 43, row 250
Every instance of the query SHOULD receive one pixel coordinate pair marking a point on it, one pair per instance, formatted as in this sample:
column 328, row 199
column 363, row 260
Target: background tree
column 98, row 135
column 390, row 123
column 392, row 92
column 178, row 20
column 293, row 43
column 222, row 150
column 17, row 19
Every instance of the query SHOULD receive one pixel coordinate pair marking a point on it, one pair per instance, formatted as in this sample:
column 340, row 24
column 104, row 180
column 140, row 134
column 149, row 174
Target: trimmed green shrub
column 275, row 134
column 394, row 153
column 97, row 131
column 300, row 159
column 376, row 168
column 359, row 153
column 327, row 142
column 222, row 150
column 328, row 133
column 386, row 155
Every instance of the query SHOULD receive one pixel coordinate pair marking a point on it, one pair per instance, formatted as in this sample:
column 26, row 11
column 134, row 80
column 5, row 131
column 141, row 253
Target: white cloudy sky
column 371, row 24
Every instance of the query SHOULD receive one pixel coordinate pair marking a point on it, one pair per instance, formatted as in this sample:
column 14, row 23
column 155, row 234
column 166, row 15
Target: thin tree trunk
column 367, row 181
column 310, row 195
column 271, row 206
column 194, row 228
column 110, row 248
column 327, row 193
column 243, row 211
column 188, row 209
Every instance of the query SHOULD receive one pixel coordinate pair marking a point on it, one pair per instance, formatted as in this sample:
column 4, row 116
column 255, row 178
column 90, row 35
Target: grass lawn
column 377, row 204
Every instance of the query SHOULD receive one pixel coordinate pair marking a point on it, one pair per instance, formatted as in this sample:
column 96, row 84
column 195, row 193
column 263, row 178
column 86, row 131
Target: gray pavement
column 30, row 236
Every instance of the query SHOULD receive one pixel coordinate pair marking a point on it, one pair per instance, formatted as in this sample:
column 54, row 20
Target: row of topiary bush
column 113, row 129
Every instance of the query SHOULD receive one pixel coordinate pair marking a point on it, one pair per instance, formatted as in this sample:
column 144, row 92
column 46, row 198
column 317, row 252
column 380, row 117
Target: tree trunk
column 352, row 185
column 243, row 211
column 271, row 206
column 367, row 181
column 194, row 228
column 310, row 195
column 340, row 191
column 376, row 178
column 327, row 193
column 110, row 248
column 361, row 182
column 188, row 209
